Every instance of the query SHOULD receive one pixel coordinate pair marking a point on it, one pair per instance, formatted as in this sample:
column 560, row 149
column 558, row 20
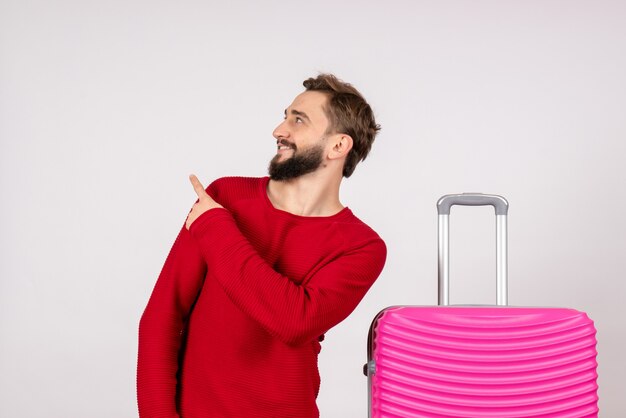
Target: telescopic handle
column 501, row 207
column 472, row 199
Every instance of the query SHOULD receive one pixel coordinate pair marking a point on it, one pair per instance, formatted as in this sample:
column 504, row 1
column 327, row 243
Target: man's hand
column 204, row 203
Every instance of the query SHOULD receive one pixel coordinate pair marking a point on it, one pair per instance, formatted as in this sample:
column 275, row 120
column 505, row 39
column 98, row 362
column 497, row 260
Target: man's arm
column 161, row 326
column 294, row 313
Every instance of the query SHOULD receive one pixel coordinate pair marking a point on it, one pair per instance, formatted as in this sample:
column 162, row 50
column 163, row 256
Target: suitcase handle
column 501, row 207
column 472, row 199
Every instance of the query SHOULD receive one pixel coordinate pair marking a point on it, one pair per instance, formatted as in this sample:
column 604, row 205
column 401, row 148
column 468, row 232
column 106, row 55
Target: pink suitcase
column 481, row 361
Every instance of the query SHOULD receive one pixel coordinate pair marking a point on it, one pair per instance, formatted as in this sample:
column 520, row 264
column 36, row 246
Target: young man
column 262, row 268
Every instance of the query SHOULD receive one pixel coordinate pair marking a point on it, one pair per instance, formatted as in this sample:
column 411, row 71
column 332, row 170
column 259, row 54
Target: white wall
column 106, row 107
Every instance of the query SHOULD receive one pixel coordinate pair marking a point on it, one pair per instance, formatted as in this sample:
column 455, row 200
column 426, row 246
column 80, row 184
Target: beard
column 300, row 163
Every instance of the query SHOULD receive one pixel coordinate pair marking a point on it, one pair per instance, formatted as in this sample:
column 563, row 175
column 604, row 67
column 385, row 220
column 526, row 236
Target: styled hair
column 349, row 114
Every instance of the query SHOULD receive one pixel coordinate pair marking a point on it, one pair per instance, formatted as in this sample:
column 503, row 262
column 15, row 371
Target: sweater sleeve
column 161, row 327
column 294, row 313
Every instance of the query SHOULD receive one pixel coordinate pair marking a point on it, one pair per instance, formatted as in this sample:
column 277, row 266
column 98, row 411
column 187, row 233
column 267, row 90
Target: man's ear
column 341, row 146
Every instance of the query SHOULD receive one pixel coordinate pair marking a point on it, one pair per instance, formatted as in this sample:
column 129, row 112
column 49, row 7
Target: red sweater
column 232, row 328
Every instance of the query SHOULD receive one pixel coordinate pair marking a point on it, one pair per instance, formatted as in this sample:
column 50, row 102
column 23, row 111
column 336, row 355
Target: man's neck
column 309, row 195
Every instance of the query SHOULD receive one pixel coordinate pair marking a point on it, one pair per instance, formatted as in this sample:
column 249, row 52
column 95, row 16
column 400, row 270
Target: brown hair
column 348, row 113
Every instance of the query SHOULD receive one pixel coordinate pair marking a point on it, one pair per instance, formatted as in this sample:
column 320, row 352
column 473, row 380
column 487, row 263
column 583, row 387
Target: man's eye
column 298, row 119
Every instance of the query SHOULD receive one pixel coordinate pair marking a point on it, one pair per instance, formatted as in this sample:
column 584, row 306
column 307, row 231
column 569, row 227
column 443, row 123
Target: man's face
column 300, row 138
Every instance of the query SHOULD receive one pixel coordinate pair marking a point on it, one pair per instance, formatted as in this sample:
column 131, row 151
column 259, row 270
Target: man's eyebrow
column 298, row 113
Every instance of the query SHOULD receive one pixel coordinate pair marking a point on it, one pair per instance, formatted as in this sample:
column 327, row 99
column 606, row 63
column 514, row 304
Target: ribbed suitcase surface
column 481, row 362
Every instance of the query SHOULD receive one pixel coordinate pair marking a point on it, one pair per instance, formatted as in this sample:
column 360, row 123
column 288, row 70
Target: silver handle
column 501, row 207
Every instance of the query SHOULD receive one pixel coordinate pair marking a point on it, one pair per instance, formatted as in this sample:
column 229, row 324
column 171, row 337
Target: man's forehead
column 310, row 101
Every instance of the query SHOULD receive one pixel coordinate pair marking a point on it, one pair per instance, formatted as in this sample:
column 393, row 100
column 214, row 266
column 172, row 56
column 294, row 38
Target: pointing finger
column 197, row 186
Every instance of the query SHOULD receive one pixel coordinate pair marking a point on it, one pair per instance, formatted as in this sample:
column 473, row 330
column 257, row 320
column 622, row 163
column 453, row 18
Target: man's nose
column 281, row 131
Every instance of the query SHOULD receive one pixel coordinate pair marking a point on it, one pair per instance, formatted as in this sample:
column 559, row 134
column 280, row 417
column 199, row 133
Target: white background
column 107, row 106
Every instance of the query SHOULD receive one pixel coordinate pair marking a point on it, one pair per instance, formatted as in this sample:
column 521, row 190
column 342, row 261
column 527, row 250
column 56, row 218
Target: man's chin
column 281, row 158
column 288, row 166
